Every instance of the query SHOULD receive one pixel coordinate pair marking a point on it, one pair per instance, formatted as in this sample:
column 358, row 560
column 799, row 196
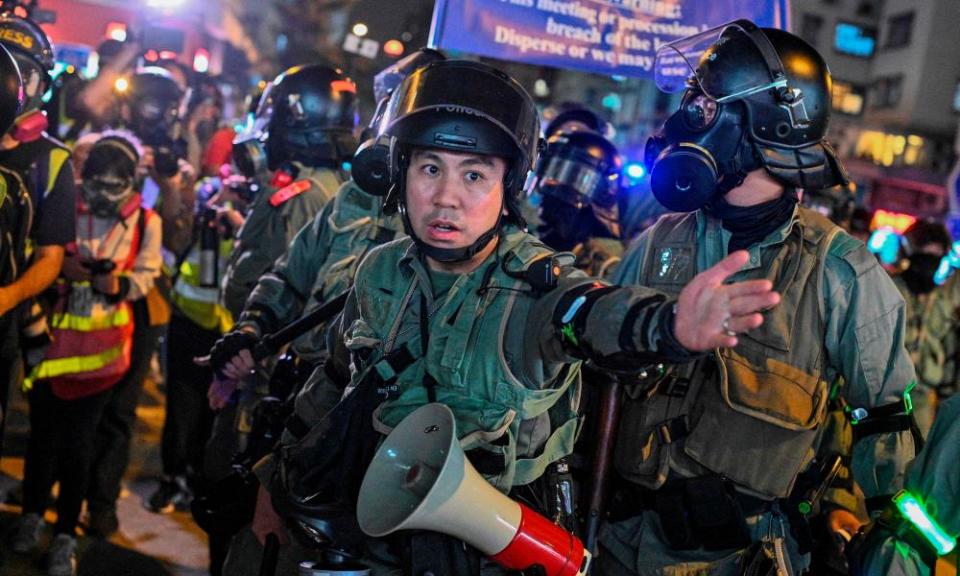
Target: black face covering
column 751, row 224
column 701, row 152
column 919, row 275
column 563, row 226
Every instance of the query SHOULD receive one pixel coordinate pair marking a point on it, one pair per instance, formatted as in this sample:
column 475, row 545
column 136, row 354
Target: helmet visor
column 465, row 89
column 577, row 183
column 723, row 73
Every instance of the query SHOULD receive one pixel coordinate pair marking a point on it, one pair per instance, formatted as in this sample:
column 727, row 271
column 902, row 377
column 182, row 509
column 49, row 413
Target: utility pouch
column 432, row 553
column 561, row 496
column 701, row 512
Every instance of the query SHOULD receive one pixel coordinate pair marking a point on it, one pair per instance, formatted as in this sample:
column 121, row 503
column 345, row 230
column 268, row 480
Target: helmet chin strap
column 449, row 255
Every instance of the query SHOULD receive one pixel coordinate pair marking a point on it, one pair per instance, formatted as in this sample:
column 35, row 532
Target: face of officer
column 452, row 199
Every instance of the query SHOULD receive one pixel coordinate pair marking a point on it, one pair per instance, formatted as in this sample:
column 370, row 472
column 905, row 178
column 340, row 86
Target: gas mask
column 754, row 98
column 106, row 194
column 701, row 152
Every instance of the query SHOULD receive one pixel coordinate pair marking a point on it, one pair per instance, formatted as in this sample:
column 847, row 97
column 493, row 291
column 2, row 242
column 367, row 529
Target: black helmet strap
column 788, row 98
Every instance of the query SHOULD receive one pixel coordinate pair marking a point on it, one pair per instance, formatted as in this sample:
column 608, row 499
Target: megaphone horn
column 421, row 479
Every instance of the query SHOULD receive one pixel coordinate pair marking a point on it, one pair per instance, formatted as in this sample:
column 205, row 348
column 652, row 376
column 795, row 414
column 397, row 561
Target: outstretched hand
column 710, row 313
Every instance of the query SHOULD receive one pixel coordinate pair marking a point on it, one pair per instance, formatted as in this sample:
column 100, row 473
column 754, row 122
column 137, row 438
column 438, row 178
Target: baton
column 271, row 343
column 271, row 553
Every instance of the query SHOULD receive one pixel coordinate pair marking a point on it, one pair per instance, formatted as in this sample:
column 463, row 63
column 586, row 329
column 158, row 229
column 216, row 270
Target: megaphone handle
column 271, row 554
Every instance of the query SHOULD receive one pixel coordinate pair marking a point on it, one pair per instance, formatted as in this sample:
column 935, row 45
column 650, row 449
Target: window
column 848, row 98
column 887, row 92
column 854, row 40
column 866, row 8
column 810, row 28
column 899, row 30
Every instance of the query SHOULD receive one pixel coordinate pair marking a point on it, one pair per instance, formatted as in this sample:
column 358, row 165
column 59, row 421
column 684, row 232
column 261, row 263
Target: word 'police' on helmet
column 465, row 107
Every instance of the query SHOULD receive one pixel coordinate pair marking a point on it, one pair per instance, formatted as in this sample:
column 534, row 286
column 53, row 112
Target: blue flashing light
column 885, row 243
column 611, row 101
column 635, row 170
column 346, row 166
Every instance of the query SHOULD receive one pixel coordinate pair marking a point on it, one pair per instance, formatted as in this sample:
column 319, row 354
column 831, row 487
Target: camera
column 246, row 189
column 100, row 266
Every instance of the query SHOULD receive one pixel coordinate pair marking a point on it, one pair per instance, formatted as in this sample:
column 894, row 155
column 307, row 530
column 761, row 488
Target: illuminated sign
column 882, row 219
column 854, row 40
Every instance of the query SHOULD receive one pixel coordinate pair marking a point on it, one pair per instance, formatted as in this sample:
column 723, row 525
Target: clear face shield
column 685, row 64
column 33, row 81
column 577, row 184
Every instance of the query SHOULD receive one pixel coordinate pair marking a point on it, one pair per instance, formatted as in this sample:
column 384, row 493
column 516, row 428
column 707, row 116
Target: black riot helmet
column 33, row 52
column 371, row 170
column 465, row 107
column 308, row 115
column 755, row 98
column 575, row 118
column 154, row 101
column 11, row 91
column 578, row 179
column 249, row 145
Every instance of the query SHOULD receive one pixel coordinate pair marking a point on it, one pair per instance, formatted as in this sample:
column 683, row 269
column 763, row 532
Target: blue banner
column 605, row 36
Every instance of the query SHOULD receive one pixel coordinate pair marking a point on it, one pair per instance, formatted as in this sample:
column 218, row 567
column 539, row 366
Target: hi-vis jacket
column 92, row 333
column 201, row 303
column 755, row 413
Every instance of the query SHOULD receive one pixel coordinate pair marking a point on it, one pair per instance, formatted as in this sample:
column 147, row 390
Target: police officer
column 471, row 311
column 922, row 523
column 323, row 257
column 27, row 153
column 708, row 458
column 578, row 184
column 319, row 264
column 928, row 336
column 306, row 119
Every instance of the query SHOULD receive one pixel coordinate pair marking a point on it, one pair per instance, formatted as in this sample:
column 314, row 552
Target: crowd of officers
column 775, row 382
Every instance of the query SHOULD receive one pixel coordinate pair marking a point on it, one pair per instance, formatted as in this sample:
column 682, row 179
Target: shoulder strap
column 137, row 241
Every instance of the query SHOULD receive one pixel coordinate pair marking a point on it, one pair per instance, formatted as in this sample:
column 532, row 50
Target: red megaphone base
column 541, row 542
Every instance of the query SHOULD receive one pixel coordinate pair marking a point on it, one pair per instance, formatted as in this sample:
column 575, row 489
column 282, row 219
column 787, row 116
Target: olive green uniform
column 319, row 264
column 755, row 414
column 933, row 478
column 931, row 340
column 492, row 351
column 270, row 226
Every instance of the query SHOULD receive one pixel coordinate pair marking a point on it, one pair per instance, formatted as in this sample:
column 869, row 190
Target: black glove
column 229, row 346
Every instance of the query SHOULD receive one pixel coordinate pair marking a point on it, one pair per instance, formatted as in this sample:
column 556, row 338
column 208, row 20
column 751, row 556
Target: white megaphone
column 421, row 479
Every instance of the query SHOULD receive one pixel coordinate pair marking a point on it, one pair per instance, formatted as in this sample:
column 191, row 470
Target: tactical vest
column 16, row 217
column 599, row 257
column 357, row 224
column 525, row 429
column 751, row 413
